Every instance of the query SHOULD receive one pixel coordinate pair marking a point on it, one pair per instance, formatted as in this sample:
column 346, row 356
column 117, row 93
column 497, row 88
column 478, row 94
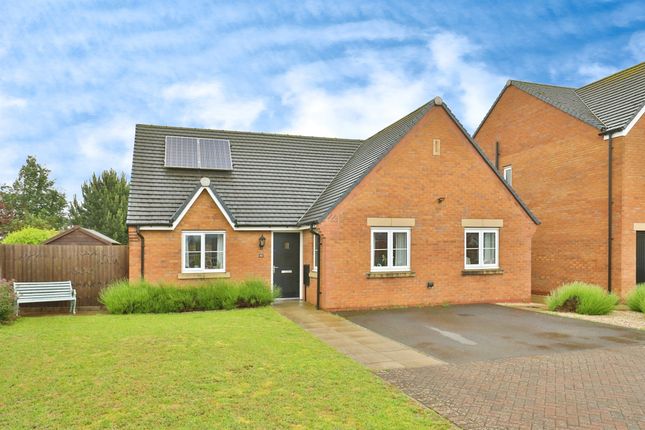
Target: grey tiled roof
column 360, row 164
column 616, row 99
column 564, row 98
column 609, row 103
column 275, row 178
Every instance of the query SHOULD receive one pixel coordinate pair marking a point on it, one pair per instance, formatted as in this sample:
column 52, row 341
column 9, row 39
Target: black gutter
column 143, row 249
column 497, row 155
column 315, row 233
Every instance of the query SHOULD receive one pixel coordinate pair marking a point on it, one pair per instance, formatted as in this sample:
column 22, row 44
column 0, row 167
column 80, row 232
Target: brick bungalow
column 413, row 215
column 577, row 157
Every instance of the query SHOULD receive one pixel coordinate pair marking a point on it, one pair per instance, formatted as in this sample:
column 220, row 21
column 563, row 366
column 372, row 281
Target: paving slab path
column 374, row 351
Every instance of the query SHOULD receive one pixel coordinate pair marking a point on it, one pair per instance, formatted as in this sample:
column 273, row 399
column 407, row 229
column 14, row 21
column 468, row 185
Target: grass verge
column 242, row 369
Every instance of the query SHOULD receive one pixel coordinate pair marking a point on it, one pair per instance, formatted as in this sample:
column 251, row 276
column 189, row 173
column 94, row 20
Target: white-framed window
column 390, row 250
column 316, row 253
column 481, row 248
column 508, row 174
column 203, row 251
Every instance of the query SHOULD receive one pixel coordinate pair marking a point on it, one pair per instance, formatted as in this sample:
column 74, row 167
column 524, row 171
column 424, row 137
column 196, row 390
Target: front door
column 286, row 264
column 640, row 257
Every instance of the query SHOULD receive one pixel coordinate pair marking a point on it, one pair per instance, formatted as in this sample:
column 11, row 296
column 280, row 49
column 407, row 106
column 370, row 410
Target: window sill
column 476, row 272
column 204, row 275
column 313, row 274
column 376, row 275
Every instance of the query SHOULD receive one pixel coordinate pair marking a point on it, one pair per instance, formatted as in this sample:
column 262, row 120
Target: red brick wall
column 407, row 184
column 560, row 171
column 163, row 248
column 630, row 204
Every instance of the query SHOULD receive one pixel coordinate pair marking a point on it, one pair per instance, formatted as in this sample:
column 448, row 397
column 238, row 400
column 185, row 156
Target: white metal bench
column 37, row 292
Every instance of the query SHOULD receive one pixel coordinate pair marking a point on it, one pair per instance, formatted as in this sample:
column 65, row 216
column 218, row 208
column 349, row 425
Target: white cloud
column 205, row 104
column 636, row 45
column 7, row 102
column 594, row 71
column 471, row 81
column 385, row 85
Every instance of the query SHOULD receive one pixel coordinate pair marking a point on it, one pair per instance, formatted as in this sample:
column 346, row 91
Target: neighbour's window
column 316, row 252
column 481, row 248
column 390, row 249
column 508, row 174
column 204, row 252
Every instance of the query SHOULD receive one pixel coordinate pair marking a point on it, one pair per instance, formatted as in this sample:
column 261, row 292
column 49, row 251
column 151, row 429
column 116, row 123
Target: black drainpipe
column 315, row 233
column 610, row 197
column 143, row 249
column 497, row 155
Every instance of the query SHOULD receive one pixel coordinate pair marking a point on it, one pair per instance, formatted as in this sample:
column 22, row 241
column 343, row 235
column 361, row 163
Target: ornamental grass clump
column 125, row 297
column 636, row 299
column 581, row 298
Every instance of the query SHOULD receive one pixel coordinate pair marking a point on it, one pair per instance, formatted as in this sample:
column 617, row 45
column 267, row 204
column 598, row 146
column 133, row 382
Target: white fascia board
column 190, row 205
column 221, row 208
column 631, row 124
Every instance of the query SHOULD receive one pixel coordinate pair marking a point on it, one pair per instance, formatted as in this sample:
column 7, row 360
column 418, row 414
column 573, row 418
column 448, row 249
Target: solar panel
column 194, row 153
column 215, row 154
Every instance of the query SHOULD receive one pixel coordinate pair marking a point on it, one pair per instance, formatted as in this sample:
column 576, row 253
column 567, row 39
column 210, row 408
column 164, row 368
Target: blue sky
column 76, row 76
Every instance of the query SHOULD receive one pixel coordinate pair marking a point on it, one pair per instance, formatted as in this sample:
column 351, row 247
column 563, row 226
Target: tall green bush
column 7, row 302
column 29, row 236
column 123, row 297
column 584, row 298
column 636, row 299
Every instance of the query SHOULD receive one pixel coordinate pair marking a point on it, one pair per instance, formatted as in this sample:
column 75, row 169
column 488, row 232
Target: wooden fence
column 90, row 268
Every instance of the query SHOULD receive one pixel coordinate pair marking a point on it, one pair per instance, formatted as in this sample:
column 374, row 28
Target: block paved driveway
column 515, row 369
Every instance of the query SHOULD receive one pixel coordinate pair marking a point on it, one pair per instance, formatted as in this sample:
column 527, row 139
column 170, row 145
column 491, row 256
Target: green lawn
column 247, row 368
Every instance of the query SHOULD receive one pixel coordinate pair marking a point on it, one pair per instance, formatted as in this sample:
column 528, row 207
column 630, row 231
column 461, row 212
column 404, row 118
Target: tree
column 32, row 200
column 105, row 205
column 29, row 236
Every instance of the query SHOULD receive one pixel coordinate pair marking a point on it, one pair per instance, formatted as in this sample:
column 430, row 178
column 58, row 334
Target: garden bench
column 37, row 292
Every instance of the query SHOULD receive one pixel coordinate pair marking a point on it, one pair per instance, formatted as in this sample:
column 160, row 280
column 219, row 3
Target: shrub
column 29, row 236
column 7, row 302
column 123, row 297
column 253, row 293
column 636, row 299
column 582, row 298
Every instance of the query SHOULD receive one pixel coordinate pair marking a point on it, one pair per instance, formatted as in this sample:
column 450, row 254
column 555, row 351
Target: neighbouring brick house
column 414, row 215
column 566, row 151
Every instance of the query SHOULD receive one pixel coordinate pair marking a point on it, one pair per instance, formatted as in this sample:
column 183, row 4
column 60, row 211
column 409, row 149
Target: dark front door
column 640, row 257
column 286, row 264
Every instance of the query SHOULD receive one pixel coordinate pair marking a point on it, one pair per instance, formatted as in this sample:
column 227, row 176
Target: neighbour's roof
column 277, row 180
column 93, row 233
column 275, row 177
column 564, row 98
column 607, row 104
column 616, row 99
